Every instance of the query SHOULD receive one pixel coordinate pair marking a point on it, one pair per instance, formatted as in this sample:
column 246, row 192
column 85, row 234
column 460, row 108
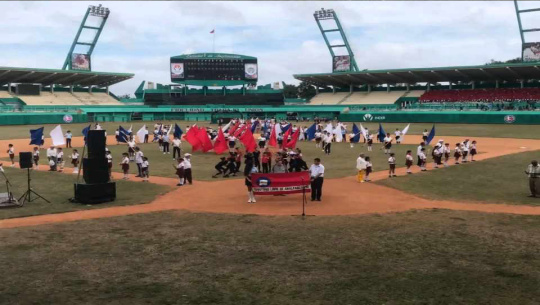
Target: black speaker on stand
column 98, row 187
column 25, row 161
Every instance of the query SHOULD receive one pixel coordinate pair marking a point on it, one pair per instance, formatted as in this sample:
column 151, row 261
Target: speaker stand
column 27, row 196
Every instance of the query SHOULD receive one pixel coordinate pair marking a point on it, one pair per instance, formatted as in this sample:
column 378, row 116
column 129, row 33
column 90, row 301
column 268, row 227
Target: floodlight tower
column 101, row 13
column 330, row 14
column 527, row 46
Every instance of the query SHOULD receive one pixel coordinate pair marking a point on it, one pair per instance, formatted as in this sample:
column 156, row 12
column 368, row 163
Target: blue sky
column 141, row 36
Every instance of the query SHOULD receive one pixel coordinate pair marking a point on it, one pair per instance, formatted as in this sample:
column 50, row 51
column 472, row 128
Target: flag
column 329, row 128
column 356, row 133
column 264, row 128
column 220, row 144
column 286, row 137
column 292, row 143
column 226, row 127
column 277, row 126
column 130, row 132
column 35, row 136
column 192, row 139
column 239, row 131
column 337, row 132
column 273, row 136
column 286, row 127
column 177, row 131
column 364, row 132
column 404, row 132
column 206, row 144
column 141, row 133
column 57, row 136
column 248, row 141
column 311, row 132
column 431, row 135
column 85, row 132
column 212, row 31
column 381, row 134
column 254, row 126
column 123, row 135
column 231, row 131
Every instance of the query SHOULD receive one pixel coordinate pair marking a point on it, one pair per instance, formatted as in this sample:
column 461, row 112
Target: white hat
column 187, row 155
column 441, row 141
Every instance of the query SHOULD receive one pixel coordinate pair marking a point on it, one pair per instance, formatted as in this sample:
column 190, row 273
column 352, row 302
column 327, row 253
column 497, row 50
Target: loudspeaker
column 25, row 159
column 95, row 193
column 95, row 170
column 96, row 142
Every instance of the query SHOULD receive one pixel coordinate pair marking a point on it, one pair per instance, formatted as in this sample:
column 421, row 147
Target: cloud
column 139, row 37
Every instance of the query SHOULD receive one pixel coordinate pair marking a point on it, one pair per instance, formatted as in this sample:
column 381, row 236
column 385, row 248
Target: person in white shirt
column 423, row 159
column 51, row 156
column 369, row 142
column 139, row 161
column 473, row 150
column 437, row 153
column 75, row 161
column 387, row 144
column 176, row 147
column 187, row 168
column 232, row 141
column 145, row 171
column 131, row 148
column 68, row 136
column 262, row 142
column 392, row 166
column 418, row 151
column 316, row 171
column 457, row 153
column 166, row 141
column 465, row 151
column 11, row 153
column 36, row 157
column 117, row 136
column 446, row 153
column 409, row 161
column 98, row 127
column 398, row 136
column 60, row 159
column 318, row 139
column 425, row 135
column 351, row 139
column 327, row 139
column 361, row 167
column 109, row 162
column 125, row 165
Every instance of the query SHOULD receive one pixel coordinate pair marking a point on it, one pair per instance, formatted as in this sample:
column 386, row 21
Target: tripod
column 10, row 200
column 27, row 196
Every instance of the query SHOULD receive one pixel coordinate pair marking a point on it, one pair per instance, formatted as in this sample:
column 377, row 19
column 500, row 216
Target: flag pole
column 214, row 41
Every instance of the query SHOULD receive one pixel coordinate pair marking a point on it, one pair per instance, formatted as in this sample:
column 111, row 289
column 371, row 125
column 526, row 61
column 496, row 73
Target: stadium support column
column 9, row 87
column 71, row 89
column 351, row 88
column 473, row 85
column 316, row 89
column 107, row 88
column 52, row 88
column 521, row 83
column 89, row 89
column 388, row 88
column 333, row 89
column 428, row 87
column 368, row 88
column 408, row 87
column 450, row 85
column 497, row 84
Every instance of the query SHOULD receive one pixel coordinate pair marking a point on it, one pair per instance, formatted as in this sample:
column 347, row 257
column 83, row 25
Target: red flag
column 192, row 138
column 286, row 138
column 231, row 132
column 248, row 141
column 292, row 143
column 273, row 137
column 212, row 32
column 220, row 145
column 239, row 131
column 206, row 144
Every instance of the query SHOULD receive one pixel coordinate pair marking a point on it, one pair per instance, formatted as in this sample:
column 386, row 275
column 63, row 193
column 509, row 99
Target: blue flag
column 285, row 128
column 381, row 134
column 85, row 132
column 264, row 128
column 123, row 135
column 311, row 132
column 35, row 136
column 177, row 131
column 431, row 135
column 254, row 126
column 356, row 132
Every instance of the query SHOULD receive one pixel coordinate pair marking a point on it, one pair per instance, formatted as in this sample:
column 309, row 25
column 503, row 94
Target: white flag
column 277, row 126
column 364, row 131
column 57, row 136
column 337, row 132
column 404, row 132
column 226, row 127
column 141, row 133
column 329, row 128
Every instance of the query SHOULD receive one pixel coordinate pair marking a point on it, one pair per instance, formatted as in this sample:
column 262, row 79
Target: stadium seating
column 414, row 93
column 68, row 99
column 271, row 99
column 325, row 98
column 482, row 95
column 374, row 98
column 5, row 94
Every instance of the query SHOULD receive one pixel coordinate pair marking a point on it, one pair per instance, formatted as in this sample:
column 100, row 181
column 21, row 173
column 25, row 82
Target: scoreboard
column 214, row 66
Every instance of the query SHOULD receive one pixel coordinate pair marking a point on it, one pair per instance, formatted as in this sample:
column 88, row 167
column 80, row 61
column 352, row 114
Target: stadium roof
column 61, row 77
column 212, row 56
column 500, row 72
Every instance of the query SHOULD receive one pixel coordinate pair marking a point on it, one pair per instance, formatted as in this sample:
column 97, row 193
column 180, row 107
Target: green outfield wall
column 22, row 118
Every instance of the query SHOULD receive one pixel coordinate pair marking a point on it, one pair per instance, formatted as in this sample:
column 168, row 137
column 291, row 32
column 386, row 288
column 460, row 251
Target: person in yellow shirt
column 361, row 167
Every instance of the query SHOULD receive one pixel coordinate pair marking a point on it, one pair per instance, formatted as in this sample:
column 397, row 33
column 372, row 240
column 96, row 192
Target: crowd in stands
column 482, row 95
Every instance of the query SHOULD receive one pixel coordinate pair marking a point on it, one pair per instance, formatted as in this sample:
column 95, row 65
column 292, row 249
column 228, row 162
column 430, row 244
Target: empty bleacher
column 328, row 98
column 5, row 94
column 373, row 98
column 68, row 99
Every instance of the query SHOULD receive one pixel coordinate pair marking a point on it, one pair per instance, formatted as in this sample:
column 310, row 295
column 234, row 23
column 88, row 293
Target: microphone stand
column 8, row 185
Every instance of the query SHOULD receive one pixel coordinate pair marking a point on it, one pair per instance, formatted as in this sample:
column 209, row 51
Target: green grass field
column 497, row 180
column 469, row 130
column 58, row 189
column 417, row 257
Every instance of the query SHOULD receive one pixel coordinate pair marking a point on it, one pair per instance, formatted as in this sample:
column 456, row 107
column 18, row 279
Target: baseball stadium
column 399, row 185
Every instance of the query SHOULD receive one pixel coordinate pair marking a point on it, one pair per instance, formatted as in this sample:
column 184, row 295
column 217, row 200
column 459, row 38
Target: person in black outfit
column 220, row 167
column 231, row 166
column 299, row 164
column 257, row 159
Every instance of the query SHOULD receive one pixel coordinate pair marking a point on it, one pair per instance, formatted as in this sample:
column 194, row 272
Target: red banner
column 278, row 184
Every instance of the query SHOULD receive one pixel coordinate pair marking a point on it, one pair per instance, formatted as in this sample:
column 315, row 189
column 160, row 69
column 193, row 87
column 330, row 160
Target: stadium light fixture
column 98, row 11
